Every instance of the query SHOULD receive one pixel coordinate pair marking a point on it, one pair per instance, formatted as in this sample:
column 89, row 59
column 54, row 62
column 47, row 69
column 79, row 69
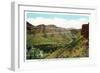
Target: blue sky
column 57, row 15
column 64, row 20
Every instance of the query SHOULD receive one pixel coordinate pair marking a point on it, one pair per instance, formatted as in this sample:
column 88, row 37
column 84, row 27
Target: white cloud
column 59, row 22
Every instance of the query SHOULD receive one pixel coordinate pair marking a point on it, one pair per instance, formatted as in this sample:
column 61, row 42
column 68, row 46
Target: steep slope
column 48, row 34
column 51, row 41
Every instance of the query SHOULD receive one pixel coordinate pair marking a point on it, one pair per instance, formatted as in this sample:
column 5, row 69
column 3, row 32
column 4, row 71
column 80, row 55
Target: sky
column 64, row 20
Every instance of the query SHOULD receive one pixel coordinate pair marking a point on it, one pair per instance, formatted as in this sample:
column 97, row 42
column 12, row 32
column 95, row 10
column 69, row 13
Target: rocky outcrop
column 85, row 31
column 85, row 34
column 29, row 26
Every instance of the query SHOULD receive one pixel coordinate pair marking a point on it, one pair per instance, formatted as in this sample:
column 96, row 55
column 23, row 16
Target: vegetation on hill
column 50, row 41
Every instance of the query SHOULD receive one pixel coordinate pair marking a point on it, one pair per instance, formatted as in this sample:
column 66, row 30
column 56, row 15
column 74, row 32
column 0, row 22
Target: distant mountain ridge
column 45, row 28
column 53, row 29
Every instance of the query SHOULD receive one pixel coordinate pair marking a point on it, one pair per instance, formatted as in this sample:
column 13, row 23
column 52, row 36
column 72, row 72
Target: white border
column 18, row 62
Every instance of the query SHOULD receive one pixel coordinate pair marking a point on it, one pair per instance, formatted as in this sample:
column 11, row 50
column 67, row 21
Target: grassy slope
column 79, row 49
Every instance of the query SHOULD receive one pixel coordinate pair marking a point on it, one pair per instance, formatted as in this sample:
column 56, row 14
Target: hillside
column 50, row 41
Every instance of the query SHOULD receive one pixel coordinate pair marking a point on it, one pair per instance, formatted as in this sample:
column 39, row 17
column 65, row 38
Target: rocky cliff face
column 29, row 26
column 42, row 28
column 85, row 31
